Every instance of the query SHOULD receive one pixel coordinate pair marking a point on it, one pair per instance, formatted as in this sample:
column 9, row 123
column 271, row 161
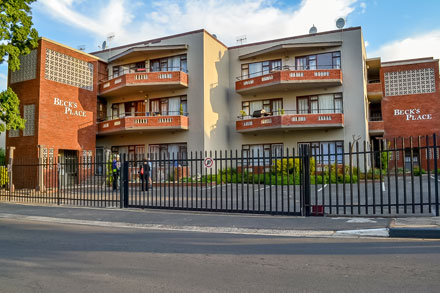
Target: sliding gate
column 400, row 177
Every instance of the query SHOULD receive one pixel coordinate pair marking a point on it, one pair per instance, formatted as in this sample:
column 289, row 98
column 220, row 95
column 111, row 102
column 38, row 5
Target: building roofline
column 295, row 37
column 157, row 40
column 70, row 48
column 410, row 61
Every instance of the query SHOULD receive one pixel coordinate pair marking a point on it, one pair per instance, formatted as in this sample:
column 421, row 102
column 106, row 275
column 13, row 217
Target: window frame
column 270, row 65
column 335, row 56
column 336, row 96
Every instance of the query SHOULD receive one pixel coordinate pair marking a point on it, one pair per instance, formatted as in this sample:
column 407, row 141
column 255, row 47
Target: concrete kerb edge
column 381, row 232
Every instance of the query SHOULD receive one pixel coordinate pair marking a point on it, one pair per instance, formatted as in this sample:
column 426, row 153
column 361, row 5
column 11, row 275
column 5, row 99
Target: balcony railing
column 263, row 113
column 290, row 119
column 176, row 120
column 142, row 114
column 133, row 82
column 376, row 127
column 143, row 70
column 289, row 78
column 286, row 67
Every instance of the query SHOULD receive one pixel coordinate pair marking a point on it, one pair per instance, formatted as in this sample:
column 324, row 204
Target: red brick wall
column 396, row 126
column 60, row 130
column 53, row 128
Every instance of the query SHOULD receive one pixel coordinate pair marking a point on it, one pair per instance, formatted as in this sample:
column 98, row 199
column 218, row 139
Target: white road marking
column 360, row 220
column 380, row 232
column 434, row 178
column 319, row 190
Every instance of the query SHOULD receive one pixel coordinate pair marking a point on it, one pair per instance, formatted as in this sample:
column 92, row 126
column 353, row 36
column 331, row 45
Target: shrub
column 4, row 178
column 291, row 166
column 417, row 171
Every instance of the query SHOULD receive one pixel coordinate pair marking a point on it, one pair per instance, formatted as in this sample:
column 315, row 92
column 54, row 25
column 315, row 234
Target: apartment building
column 189, row 92
column 312, row 90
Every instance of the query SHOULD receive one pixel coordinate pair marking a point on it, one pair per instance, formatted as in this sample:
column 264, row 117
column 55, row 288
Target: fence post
column 305, row 179
column 436, row 175
column 123, row 186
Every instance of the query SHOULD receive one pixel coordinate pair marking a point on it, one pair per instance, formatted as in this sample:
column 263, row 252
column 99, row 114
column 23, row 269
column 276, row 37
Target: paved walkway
column 420, row 227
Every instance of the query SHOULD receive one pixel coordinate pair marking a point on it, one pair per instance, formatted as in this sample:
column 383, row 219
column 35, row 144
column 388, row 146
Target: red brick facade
column 421, row 104
column 55, row 126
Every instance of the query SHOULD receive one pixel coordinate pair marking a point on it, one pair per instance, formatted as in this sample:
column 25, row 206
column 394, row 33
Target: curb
column 382, row 232
column 414, row 232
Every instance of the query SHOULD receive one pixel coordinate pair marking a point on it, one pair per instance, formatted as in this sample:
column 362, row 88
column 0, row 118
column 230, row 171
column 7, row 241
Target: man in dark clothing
column 144, row 174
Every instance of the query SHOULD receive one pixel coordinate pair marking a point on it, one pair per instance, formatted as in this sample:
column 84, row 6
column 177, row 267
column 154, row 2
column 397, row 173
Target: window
column 326, row 151
column 319, row 61
column 115, row 111
column 115, row 71
column 320, row 104
column 272, row 106
column 14, row 133
column 132, row 152
column 259, row 68
column 29, row 116
column 174, row 63
column 173, row 106
column 256, row 153
column 165, row 152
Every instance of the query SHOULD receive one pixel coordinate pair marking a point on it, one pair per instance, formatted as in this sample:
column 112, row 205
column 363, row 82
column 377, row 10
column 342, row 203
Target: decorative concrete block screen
column 66, row 69
column 28, row 68
column 410, row 82
column 29, row 115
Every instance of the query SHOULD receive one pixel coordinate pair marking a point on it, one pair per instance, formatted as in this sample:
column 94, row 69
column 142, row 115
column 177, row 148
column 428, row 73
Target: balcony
column 143, row 124
column 376, row 127
column 374, row 90
column 130, row 83
column 291, row 120
column 288, row 79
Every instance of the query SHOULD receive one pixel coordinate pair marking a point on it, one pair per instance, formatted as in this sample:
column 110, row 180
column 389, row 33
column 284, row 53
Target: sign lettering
column 412, row 114
column 70, row 108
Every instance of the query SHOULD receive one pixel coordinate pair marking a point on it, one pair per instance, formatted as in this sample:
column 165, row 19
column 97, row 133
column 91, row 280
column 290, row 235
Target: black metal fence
column 382, row 177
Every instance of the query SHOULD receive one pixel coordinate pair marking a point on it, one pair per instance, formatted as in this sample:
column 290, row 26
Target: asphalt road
column 47, row 257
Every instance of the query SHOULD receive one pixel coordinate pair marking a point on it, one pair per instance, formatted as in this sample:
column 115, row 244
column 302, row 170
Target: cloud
column 424, row 45
column 257, row 19
column 363, row 7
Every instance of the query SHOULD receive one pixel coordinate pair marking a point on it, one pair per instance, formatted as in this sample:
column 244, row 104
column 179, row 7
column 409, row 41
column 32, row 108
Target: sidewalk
column 226, row 223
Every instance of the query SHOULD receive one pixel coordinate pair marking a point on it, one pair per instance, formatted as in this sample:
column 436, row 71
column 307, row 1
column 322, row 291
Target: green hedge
column 4, row 178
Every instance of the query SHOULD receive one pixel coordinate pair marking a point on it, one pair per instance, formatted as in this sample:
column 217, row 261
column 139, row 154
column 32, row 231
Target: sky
column 392, row 29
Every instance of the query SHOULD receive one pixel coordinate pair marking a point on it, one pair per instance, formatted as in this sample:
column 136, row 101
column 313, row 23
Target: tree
column 9, row 111
column 17, row 37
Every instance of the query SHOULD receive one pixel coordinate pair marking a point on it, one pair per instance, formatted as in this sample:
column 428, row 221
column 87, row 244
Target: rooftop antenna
column 82, row 47
column 104, row 45
column 313, row 30
column 241, row 39
column 110, row 37
column 340, row 23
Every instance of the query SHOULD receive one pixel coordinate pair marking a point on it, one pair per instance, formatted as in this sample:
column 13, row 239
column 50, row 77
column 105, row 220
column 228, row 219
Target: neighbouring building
column 185, row 93
column 404, row 98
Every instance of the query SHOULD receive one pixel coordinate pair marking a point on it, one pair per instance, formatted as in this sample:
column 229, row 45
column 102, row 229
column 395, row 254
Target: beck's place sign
column 70, row 108
column 412, row 114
